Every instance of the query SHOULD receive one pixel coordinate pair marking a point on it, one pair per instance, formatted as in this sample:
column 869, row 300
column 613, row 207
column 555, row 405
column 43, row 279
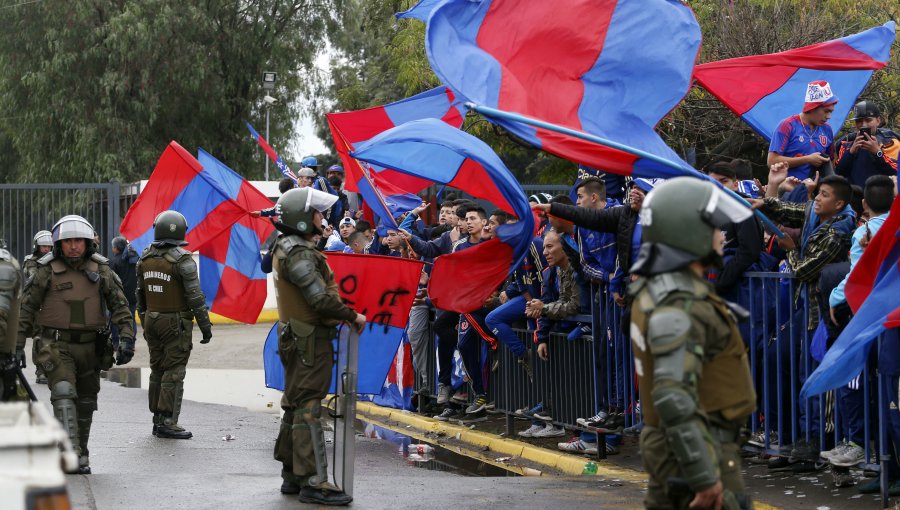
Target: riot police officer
column 168, row 300
column 41, row 245
column 309, row 309
column 66, row 298
column 11, row 359
column 688, row 352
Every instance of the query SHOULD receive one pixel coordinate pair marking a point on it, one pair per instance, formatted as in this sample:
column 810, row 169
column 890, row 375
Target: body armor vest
column 724, row 386
column 8, row 344
column 163, row 289
column 292, row 303
column 72, row 300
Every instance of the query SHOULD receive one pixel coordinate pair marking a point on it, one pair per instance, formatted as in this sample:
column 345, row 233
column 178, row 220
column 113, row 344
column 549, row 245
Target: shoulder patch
column 100, row 259
column 46, row 259
column 175, row 254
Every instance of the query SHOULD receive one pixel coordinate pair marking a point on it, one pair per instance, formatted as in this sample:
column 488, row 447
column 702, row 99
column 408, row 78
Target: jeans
column 500, row 321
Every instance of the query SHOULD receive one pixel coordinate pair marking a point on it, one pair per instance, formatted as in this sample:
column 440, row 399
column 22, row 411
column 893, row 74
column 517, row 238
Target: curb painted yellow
column 270, row 316
column 562, row 462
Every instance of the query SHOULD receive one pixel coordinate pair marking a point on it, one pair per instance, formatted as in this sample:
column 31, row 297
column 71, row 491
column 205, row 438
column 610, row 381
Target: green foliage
column 95, row 90
column 383, row 60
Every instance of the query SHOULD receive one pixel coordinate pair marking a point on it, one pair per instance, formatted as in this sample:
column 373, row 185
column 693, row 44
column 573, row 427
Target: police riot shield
column 345, row 407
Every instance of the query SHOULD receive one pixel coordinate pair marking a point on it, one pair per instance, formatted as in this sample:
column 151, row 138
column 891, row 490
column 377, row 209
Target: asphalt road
column 132, row 469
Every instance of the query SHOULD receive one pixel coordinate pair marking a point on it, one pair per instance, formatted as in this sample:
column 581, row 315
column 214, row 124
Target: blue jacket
column 528, row 275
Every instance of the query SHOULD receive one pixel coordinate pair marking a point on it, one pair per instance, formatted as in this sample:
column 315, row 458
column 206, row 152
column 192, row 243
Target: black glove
column 9, row 369
column 20, row 357
column 207, row 335
column 125, row 351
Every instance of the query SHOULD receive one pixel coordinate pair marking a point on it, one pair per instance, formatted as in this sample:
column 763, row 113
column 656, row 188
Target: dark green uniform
column 10, row 286
column 309, row 309
column 29, row 267
column 689, row 355
column 168, row 300
column 67, row 302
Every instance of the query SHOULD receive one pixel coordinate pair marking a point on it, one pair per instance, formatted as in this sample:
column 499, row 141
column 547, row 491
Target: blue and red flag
column 351, row 129
column 609, row 69
column 431, row 150
column 382, row 289
column 420, row 11
column 179, row 183
column 280, row 164
column 230, row 273
column 763, row 90
column 871, row 292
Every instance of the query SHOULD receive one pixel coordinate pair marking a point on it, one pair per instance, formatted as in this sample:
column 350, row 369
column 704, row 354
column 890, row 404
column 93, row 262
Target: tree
column 99, row 88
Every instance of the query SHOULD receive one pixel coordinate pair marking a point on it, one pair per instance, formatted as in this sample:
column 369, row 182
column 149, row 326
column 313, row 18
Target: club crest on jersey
column 823, row 139
column 463, row 325
column 802, row 139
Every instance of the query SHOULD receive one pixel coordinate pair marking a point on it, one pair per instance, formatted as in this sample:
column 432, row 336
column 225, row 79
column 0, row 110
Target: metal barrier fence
column 26, row 209
column 594, row 373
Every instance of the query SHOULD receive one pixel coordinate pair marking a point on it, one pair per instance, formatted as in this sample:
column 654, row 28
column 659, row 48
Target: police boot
column 157, row 419
column 40, row 377
column 324, row 496
column 85, row 419
column 168, row 423
column 168, row 428
column 320, row 491
column 290, row 483
column 62, row 397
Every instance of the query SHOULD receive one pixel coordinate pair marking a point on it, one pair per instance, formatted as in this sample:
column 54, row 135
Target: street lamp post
column 268, row 83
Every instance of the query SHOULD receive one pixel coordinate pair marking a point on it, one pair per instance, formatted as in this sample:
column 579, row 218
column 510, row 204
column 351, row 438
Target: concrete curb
column 570, row 465
column 562, row 462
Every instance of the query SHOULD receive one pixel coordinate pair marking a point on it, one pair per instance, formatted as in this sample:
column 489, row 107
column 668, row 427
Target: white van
column 34, row 450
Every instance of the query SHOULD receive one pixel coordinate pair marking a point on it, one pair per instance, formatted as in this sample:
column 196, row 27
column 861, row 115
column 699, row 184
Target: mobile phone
column 867, row 131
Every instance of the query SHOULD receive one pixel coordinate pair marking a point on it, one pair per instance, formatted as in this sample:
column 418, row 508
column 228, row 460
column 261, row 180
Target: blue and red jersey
column 793, row 138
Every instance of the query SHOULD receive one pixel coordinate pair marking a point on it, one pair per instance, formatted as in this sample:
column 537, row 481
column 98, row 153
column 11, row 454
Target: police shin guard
column 86, row 410
column 319, row 491
column 168, row 426
column 317, row 436
column 62, row 397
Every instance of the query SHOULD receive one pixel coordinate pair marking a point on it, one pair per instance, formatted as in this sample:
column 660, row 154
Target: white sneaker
column 834, row 451
column 550, row 431
column 852, row 455
column 578, row 446
column 531, row 431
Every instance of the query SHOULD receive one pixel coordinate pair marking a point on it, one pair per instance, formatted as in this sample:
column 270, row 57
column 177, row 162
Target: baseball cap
column 336, row 168
column 864, row 109
column 347, row 221
column 646, row 185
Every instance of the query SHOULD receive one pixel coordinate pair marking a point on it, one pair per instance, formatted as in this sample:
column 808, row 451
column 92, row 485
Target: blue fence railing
column 593, row 373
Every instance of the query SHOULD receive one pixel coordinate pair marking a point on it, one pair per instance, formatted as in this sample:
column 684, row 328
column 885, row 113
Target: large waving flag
column 179, row 183
column 420, row 11
column 872, row 294
column 351, row 129
column 603, row 68
column 432, row 150
column 382, row 289
column 763, row 90
column 230, row 273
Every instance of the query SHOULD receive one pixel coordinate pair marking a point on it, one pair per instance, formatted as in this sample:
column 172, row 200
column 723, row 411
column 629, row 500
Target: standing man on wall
column 168, row 300
column 43, row 243
column 66, row 298
column 309, row 309
column 688, row 352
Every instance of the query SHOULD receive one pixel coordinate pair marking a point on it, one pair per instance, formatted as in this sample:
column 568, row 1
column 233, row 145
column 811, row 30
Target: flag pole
column 487, row 111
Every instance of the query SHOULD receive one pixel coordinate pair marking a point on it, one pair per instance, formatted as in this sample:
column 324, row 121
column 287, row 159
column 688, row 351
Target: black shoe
column 478, row 417
column 778, row 464
column 172, row 432
column 324, row 497
column 155, row 428
column 290, row 487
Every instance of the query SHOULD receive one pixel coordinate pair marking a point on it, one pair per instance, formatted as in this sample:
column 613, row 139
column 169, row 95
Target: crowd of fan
column 829, row 198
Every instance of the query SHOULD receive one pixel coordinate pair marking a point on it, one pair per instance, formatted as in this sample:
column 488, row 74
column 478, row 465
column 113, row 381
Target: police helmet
column 42, row 238
column 297, row 207
column 72, row 227
column 170, row 227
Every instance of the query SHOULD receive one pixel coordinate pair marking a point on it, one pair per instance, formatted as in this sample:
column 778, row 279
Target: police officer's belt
column 78, row 337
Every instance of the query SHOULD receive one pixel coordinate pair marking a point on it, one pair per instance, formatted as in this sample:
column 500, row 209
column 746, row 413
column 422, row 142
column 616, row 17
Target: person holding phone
column 869, row 150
